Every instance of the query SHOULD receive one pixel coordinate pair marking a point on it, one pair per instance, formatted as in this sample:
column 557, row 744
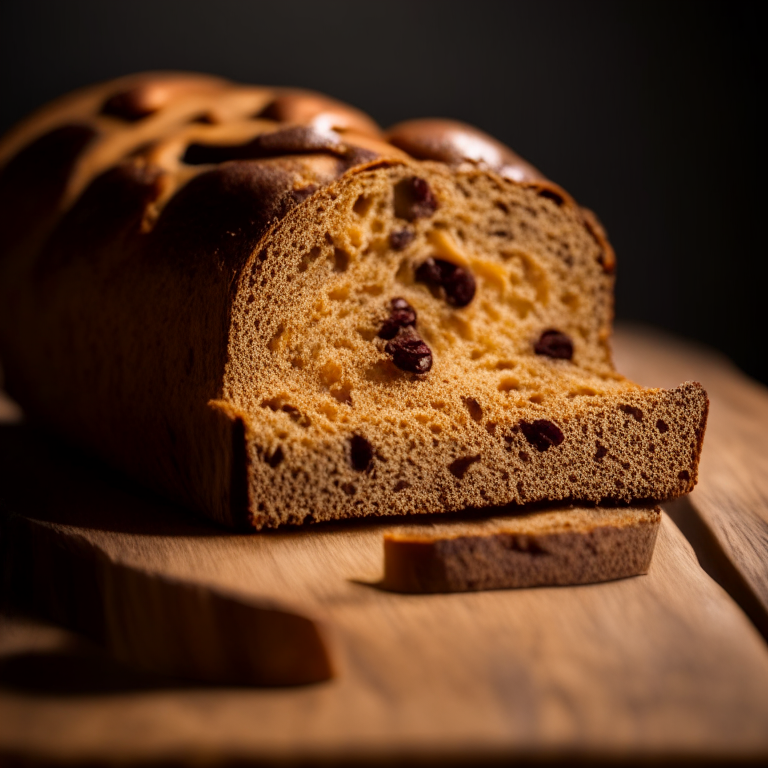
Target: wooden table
column 667, row 665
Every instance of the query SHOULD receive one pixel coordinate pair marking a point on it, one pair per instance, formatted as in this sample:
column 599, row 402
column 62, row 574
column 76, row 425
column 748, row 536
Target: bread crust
column 171, row 239
column 539, row 549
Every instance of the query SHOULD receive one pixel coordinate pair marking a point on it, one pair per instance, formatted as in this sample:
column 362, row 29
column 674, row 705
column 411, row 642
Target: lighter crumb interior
column 335, row 418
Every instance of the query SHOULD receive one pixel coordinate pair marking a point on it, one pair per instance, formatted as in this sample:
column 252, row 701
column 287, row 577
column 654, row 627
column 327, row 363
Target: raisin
column 455, row 283
column 361, row 453
column 402, row 315
column 409, row 352
column 400, row 304
column 542, row 434
column 400, row 239
column 414, row 199
column 554, row 344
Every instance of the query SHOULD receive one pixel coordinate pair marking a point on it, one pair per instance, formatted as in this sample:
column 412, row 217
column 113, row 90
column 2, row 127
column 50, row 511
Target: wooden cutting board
column 663, row 665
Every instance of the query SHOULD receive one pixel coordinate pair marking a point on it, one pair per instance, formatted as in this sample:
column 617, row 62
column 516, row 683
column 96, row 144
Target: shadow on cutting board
column 47, row 479
column 176, row 627
column 77, row 674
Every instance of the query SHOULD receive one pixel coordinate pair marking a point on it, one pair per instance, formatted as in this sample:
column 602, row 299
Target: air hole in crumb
column 491, row 428
column 634, row 412
column 404, row 272
column 459, row 467
column 360, row 453
column 508, row 385
column 538, row 399
column 401, row 486
column 342, row 393
column 349, row 488
column 362, row 205
column 340, row 293
column 341, row 260
column 684, row 475
column 296, row 415
column 274, row 342
column 331, row 372
column 542, row 434
column 308, row 258
column 524, row 457
column 474, row 408
column 582, row 391
column 277, row 404
column 600, row 452
column 661, row 426
column 276, row 458
column 505, row 365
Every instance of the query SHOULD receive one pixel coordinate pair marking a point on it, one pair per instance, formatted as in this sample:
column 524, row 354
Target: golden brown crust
column 608, row 258
column 195, row 290
column 456, row 143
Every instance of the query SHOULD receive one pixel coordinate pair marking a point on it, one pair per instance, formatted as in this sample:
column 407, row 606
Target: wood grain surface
column 664, row 665
column 726, row 516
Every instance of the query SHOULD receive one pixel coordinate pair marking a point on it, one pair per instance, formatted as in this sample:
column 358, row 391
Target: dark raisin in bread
column 257, row 302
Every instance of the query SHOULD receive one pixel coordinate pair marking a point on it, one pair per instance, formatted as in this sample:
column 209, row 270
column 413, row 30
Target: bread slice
column 251, row 300
column 548, row 548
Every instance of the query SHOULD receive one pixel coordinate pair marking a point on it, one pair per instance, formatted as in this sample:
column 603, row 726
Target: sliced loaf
column 251, row 300
column 546, row 548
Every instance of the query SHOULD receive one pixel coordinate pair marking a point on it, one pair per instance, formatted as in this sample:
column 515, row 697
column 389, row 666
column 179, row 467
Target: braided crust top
column 262, row 304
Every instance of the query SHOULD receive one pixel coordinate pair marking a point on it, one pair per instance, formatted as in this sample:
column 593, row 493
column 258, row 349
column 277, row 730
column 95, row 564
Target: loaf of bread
column 257, row 302
column 544, row 548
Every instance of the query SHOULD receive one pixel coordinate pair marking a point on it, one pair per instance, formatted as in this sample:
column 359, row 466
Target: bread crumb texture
column 337, row 428
column 264, row 306
column 546, row 548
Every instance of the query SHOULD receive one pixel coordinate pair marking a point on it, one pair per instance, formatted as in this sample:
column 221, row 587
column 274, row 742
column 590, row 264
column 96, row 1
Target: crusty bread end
column 556, row 547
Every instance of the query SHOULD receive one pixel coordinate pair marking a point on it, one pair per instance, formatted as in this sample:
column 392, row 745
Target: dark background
column 646, row 112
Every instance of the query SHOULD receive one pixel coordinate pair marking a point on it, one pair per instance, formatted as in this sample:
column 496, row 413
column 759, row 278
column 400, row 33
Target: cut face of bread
column 257, row 302
column 557, row 547
column 365, row 384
